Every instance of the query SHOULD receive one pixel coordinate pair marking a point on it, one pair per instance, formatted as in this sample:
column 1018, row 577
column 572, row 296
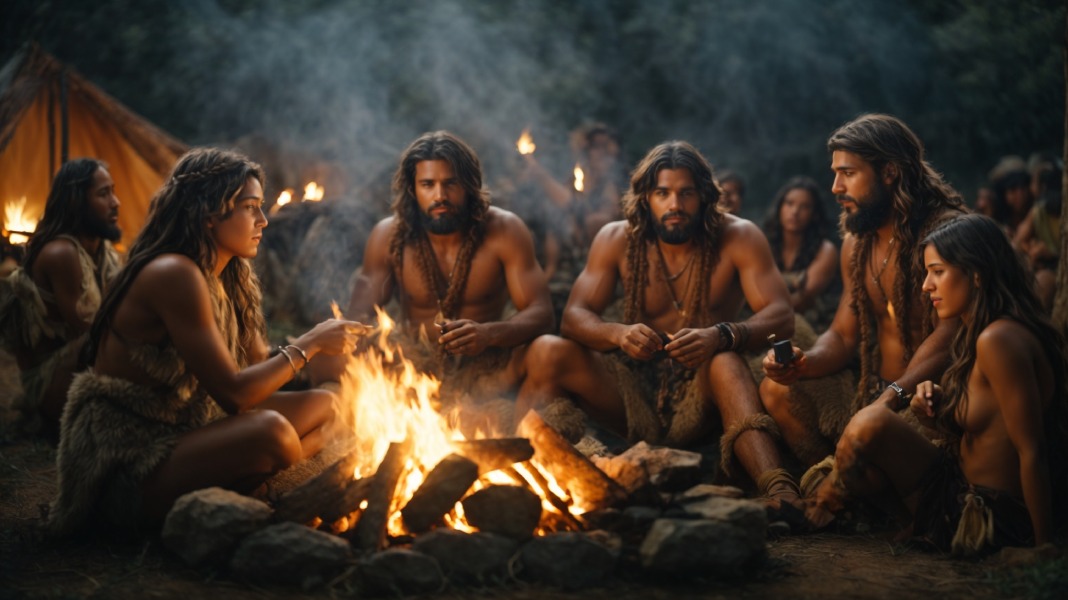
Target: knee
column 775, row 397
column 323, row 404
column 863, row 431
column 275, row 440
column 547, row 357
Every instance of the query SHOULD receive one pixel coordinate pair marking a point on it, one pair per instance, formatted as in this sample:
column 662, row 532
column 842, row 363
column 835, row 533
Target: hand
column 691, row 347
column 784, row 374
column 463, row 337
column 924, row 400
column 333, row 336
column 639, row 341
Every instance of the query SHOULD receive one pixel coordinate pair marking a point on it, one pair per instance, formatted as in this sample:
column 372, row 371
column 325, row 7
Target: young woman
column 179, row 336
column 1001, row 408
column 796, row 226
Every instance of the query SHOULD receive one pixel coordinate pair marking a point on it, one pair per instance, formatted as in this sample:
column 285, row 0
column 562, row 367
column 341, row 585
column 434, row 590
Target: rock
column 746, row 514
column 680, row 546
column 569, row 560
column 468, row 557
column 291, row 553
column 206, row 525
column 510, row 510
column 705, row 490
column 668, row 468
column 399, row 572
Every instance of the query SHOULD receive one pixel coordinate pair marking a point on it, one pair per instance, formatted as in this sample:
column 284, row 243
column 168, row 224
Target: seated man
column 672, row 369
column 454, row 262
column 48, row 303
column 890, row 198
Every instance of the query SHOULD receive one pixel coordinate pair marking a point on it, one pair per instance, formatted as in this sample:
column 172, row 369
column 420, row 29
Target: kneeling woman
column 1001, row 407
column 179, row 336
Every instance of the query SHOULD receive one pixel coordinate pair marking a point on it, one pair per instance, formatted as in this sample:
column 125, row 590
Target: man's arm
column 835, row 347
column 527, row 286
column 375, row 284
column 594, row 290
column 928, row 362
column 746, row 248
column 58, row 264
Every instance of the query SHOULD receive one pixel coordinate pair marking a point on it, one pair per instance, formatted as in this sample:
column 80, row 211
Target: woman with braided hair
column 1001, row 407
column 179, row 395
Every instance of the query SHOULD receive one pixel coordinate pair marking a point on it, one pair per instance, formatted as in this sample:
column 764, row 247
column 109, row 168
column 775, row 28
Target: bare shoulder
column 60, row 252
column 169, row 274
column 383, row 229
column 1007, row 340
column 741, row 237
column 611, row 238
column 500, row 222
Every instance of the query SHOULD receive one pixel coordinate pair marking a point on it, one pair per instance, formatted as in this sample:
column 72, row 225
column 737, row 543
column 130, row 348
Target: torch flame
column 525, row 144
column 313, row 192
column 17, row 224
column 580, row 179
column 284, row 198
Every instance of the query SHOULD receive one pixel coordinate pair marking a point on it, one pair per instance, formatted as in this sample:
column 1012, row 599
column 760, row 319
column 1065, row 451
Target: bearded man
column 890, row 198
column 671, row 372
column 47, row 304
column 454, row 262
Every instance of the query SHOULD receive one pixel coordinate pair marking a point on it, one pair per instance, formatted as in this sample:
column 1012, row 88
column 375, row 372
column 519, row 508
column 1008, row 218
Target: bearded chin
column 445, row 224
column 679, row 235
column 870, row 215
column 103, row 229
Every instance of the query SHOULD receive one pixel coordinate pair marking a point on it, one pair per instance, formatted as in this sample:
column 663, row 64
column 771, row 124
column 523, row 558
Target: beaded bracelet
column 301, row 352
column 285, row 353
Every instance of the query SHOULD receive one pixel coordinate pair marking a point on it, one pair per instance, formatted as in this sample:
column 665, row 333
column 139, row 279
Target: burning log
column 331, row 494
column 443, row 487
column 493, row 454
column 573, row 471
column 508, row 510
column 370, row 532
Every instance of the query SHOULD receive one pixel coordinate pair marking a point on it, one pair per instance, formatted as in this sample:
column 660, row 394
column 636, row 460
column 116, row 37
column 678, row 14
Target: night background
column 757, row 86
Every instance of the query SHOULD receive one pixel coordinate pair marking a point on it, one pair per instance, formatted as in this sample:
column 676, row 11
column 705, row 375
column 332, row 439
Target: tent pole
column 64, row 116
column 51, row 133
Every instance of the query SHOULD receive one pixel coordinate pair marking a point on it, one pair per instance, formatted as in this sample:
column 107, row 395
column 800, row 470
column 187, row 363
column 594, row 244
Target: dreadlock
column 814, row 234
column 921, row 199
column 641, row 234
column 408, row 230
column 205, row 183
column 65, row 208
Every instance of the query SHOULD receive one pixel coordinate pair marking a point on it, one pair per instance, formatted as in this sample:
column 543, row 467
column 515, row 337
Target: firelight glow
column 16, row 219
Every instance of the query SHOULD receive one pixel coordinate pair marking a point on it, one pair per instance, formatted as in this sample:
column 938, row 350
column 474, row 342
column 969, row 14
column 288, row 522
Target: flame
column 284, row 198
column 525, row 144
column 580, row 179
column 313, row 192
column 391, row 401
column 17, row 224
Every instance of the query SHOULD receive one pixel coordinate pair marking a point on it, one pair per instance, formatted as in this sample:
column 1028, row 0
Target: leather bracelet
column 726, row 336
column 299, row 351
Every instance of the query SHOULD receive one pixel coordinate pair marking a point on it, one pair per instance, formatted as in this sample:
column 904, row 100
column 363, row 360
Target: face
column 239, row 233
column 949, row 287
column 863, row 196
column 984, row 202
column 102, row 207
column 731, row 198
column 603, row 150
column 442, row 200
column 674, row 205
column 1019, row 199
column 795, row 213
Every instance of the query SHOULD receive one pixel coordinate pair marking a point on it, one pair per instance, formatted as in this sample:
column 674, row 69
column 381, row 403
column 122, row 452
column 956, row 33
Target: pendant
column 890, row 310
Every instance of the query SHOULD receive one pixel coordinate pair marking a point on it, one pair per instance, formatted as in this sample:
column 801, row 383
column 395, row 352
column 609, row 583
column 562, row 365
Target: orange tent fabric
column 139, row 155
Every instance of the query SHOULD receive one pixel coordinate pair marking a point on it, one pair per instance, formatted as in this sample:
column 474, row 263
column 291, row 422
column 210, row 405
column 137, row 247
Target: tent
column 49, row 113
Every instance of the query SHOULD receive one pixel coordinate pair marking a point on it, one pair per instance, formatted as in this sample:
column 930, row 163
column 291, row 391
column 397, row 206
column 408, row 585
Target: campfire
column 412, row 470
column 18, row 226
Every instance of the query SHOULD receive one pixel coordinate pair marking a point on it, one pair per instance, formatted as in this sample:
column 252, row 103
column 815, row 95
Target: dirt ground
column 33, row 565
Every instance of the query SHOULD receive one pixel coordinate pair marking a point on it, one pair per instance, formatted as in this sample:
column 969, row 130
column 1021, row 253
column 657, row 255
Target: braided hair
column 205, row 183
column 409, row 230
column 921, row 200
column 641, row 233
